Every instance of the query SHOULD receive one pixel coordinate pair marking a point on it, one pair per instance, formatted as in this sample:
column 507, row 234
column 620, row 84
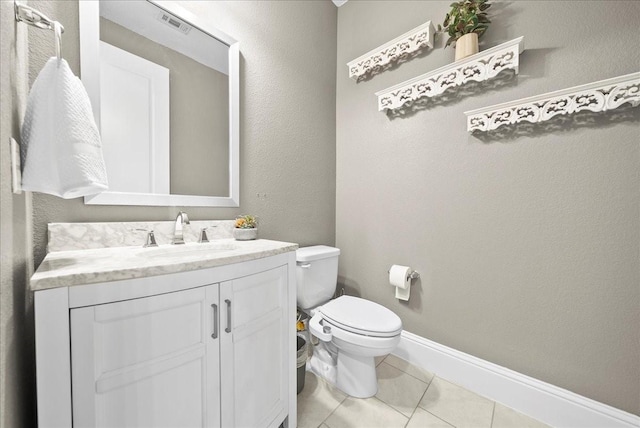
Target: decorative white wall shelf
column 401, row 47
column 479, row 67
column 598, row 96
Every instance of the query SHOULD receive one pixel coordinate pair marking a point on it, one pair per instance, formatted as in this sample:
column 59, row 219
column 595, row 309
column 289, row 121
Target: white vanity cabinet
column 206, row 348
column 147, row 362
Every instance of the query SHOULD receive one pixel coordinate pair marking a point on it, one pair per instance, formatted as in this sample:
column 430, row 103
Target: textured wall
column 287, row 125
column 17, row 369
column 528, row 248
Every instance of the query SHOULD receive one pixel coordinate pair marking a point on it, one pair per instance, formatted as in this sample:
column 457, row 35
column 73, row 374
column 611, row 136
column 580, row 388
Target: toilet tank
column 316, row 275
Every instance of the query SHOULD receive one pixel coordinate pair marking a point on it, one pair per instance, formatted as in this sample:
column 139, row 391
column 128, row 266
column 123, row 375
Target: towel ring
column 57, row 34
column 35, row 18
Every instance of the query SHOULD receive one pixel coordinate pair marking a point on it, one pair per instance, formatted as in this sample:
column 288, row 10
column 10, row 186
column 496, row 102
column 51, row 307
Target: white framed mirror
column 164, row 87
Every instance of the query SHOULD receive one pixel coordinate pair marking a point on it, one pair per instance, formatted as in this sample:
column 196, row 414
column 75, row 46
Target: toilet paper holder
column 411, row 275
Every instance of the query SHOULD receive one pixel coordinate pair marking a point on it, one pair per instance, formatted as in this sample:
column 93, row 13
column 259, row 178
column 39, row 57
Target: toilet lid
column 362, row 317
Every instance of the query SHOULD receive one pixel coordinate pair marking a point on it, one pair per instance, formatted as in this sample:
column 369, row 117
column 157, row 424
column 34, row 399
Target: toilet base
column 356, row 375
column 323, row 362
column 352, row 374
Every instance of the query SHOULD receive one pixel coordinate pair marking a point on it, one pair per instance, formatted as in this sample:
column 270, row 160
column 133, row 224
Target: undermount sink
column 187, row 250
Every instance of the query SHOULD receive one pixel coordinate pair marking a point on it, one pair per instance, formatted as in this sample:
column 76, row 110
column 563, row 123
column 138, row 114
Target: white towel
column 61, row 149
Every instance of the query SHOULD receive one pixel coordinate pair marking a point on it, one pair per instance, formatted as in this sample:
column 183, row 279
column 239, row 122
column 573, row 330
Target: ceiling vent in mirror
column 174, row 22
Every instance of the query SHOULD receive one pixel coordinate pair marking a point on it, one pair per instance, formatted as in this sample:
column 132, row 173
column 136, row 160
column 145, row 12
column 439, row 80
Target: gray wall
column 199, row 116
column 287, row 125
column 528, row 248
column 17, row 374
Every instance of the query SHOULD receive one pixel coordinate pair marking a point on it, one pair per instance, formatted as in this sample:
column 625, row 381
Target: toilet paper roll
column 399, row 278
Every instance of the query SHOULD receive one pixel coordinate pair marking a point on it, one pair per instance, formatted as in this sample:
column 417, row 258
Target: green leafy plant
column 246, row 222
column 466, row 16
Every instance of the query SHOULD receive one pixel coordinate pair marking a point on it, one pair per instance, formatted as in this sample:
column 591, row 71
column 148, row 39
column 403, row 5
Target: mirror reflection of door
column 136, row 114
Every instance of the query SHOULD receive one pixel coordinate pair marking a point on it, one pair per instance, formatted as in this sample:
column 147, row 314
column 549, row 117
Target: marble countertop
column 90, row 266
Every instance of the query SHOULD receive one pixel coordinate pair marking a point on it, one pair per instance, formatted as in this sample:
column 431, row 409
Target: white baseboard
column 542, row 401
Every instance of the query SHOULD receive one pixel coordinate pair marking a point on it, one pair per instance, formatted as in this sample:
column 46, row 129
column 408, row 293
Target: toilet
column 351, row 331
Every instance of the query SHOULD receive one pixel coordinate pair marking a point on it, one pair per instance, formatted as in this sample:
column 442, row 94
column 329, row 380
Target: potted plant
column 465, row 23
column 246, row 228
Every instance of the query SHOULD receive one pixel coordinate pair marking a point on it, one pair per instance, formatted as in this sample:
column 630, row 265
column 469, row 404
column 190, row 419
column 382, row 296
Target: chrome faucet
column 181, row 219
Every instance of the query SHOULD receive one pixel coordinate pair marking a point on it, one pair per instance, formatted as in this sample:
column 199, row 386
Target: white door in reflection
column 134, row 113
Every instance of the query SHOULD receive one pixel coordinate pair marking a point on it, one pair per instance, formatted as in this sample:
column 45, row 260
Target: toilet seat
column 346, row 339
column 361, row 316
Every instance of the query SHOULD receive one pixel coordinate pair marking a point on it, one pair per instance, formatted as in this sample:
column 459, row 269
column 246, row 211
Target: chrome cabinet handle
column 228, row 329
column 215, row 321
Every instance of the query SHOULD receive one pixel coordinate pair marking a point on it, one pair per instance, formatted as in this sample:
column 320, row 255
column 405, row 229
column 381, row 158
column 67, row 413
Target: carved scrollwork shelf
column 479, row 67
column 596, row 97
column 402, row 47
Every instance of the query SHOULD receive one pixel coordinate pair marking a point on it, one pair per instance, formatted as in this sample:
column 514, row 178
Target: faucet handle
column 203, row 235
column 151, row 238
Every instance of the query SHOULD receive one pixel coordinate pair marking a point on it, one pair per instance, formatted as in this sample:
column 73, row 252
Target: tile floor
column 407, row 397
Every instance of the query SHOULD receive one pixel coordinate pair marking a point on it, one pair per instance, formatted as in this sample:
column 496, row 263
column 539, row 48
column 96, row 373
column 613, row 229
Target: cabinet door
column 149, row 362
column 253, row 342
